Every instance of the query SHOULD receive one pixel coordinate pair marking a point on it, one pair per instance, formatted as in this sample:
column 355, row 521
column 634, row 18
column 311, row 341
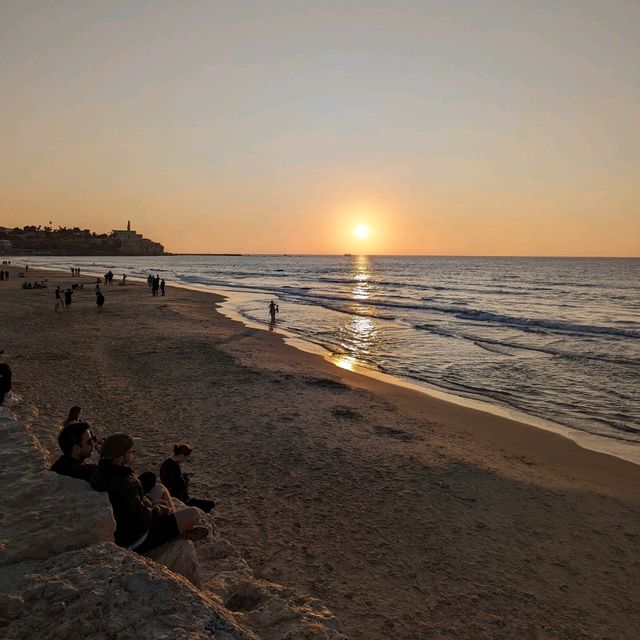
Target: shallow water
column 554, row 338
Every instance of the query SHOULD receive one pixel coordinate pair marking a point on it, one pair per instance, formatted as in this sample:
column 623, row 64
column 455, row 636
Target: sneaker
column 197, row 533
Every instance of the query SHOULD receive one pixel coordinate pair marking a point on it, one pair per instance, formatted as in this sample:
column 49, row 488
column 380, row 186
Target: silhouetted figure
column 5, row 381
column 73, row 415
column 177, row 482
column 273, row 309
column 59, row 302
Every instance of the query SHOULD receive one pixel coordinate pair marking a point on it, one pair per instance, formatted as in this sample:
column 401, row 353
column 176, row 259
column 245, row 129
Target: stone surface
column 103, row 592
column 44, row 513
column 180, row 557
column 272, row 611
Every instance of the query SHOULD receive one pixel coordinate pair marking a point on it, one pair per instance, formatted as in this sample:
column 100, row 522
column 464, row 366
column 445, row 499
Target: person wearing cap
column 140, row 525
column 76, row 443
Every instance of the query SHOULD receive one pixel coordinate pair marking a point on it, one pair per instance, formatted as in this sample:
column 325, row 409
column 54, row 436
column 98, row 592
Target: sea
column 553, row 341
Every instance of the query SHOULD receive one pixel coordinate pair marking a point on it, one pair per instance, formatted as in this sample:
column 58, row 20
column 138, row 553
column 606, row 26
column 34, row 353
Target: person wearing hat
column 140, row 525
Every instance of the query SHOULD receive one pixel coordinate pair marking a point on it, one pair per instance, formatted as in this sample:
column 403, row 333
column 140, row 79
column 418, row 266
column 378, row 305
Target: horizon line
column 396, row 255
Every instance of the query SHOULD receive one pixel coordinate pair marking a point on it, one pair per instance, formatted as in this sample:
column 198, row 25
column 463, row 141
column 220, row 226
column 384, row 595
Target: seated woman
column 177, row 482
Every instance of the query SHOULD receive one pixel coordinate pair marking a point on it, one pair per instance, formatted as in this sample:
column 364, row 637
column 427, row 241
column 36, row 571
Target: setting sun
column 361, row 231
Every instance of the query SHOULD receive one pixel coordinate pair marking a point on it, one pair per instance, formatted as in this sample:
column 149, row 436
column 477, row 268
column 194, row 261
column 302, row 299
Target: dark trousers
column 5, row 380
column 205, row 505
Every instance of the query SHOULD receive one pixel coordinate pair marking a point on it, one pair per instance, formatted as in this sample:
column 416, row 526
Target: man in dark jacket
column 76, row 443
column 5, row 380
column 140, row 525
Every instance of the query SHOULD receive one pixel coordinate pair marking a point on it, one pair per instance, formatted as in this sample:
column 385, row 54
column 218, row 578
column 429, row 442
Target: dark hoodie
column 68, row 466
column 132, row 510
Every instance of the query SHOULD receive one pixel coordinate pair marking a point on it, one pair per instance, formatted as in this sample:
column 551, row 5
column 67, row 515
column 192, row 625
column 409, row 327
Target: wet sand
column 408, row 516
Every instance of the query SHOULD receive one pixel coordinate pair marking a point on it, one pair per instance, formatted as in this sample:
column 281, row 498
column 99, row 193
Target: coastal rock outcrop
column 63, row 577
column 45, row 514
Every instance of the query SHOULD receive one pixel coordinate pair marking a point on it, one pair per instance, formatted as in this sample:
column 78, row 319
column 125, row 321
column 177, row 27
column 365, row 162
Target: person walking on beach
column 59, row 301
column 140, row 525
column 162, row 286
column 99, row 299
column 67, row 299
column 177, row 482
column 273, row 309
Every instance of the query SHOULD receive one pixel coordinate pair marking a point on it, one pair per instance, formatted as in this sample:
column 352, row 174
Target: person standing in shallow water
column 273, row 309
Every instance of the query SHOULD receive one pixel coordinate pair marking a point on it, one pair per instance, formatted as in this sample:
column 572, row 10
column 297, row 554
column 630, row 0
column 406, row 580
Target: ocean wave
column 500, row 346
column 475, row 315
column 554, row 326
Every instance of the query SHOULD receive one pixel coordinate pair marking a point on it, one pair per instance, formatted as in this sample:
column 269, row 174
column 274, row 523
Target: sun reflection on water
column 344, row 362
column 361, row 274
column 358, row 336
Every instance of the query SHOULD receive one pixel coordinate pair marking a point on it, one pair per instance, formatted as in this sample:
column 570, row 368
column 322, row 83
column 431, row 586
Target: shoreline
column 228, row 307
column 406, row 515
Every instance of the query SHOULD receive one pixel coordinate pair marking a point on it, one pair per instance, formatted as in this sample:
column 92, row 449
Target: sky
column 478, row 127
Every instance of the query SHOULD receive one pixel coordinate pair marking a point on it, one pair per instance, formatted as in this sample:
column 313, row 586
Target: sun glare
column 361, row 231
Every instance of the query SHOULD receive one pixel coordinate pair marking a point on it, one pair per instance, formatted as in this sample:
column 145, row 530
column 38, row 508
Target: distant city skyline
column 421, row 128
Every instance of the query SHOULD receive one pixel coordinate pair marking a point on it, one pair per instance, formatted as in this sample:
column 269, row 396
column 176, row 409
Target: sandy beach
column 407, row 516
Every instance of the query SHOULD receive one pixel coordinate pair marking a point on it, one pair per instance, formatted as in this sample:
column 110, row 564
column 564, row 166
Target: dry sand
column 409, row 517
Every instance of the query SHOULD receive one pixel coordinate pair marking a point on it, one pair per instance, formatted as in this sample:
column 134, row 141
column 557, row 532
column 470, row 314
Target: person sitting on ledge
column 76, row 443
column 140, row 526
column 5, row 381
column 177, row 482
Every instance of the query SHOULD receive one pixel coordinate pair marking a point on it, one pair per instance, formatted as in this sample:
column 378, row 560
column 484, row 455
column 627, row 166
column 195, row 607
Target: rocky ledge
column 61, row 575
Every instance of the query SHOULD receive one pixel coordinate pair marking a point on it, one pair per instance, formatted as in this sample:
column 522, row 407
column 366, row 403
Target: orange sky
column 448, row 128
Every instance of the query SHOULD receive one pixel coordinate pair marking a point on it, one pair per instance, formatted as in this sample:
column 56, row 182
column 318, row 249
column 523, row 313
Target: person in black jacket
column 140, row 525
column 76, row 442
column 177, row 482
column 5, row 380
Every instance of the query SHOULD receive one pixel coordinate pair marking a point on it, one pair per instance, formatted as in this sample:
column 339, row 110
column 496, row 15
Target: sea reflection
column 344, row 362
column 358, row 336
column 361, row 274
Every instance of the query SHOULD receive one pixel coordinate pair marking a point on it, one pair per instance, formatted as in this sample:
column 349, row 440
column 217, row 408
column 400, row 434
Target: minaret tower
column 128, row 225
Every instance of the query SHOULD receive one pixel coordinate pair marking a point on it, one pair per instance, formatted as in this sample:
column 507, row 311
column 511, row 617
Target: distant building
column 133, row 244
